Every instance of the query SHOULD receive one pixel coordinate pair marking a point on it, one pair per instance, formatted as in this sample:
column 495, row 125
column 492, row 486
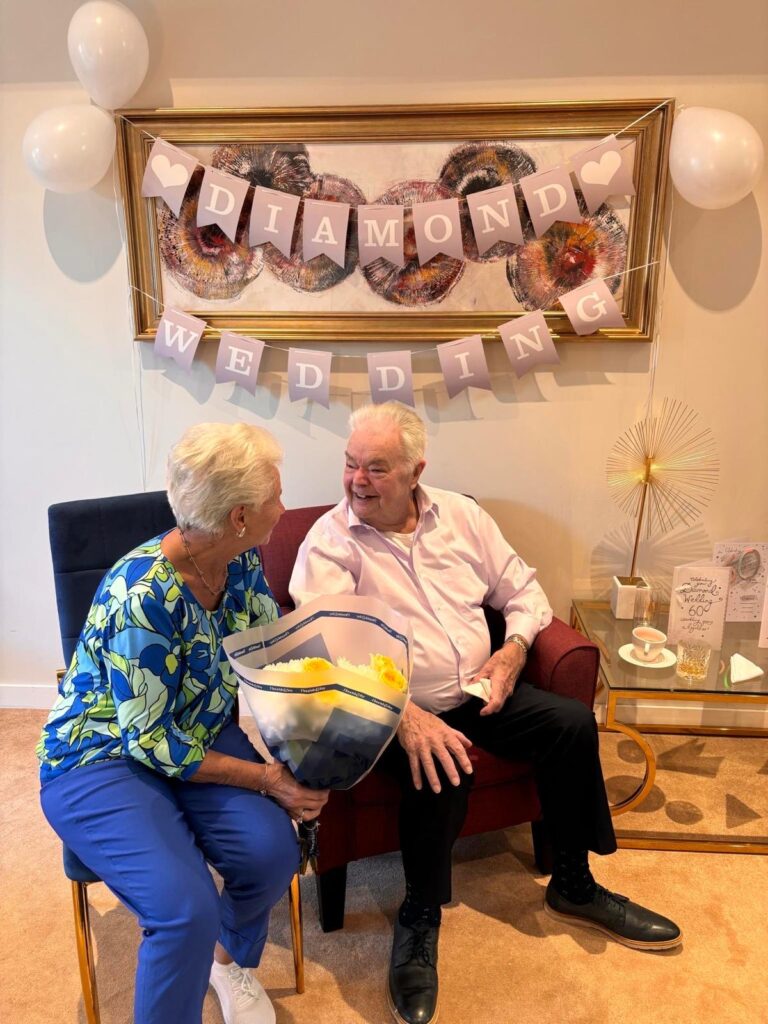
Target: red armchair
column 362, row 822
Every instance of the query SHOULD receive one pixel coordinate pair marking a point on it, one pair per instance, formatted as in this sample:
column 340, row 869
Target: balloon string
column 656, row 346
column 641, row 118
column 136, row 370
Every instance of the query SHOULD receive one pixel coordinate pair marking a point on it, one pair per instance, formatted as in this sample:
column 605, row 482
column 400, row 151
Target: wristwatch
column 521, row 642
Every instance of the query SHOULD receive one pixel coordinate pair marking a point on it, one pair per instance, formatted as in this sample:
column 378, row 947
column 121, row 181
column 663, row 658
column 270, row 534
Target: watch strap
column 521, row 642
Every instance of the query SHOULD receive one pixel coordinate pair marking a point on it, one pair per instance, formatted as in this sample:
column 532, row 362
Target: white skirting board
column 42, row 696
column 27, row 695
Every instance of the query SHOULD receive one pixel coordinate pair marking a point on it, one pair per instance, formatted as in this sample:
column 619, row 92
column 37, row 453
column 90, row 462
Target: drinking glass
column 693, row 660
column 646, row 607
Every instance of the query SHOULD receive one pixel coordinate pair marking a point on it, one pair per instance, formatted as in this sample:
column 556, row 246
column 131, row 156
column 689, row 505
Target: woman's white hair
column 216, row 466
column 413, row 435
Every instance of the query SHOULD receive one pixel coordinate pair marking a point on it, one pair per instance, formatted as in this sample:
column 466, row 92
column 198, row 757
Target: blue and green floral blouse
column 149, row 678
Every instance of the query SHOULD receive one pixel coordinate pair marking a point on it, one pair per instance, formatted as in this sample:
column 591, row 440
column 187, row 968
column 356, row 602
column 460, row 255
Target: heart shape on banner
column 600, row 172
column 170, row 174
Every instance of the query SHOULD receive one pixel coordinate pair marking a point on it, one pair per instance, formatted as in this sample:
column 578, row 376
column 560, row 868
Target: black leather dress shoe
column 412, row 989
column 617, row 916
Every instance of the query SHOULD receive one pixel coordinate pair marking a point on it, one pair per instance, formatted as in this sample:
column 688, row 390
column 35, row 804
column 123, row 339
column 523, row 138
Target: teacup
column 647, row 643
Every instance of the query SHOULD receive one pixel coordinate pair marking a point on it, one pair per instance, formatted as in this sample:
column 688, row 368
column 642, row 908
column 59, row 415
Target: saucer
column 665, row 660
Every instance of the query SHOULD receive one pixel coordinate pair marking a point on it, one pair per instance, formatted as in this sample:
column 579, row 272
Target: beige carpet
column 708, row 787
column 502, row 960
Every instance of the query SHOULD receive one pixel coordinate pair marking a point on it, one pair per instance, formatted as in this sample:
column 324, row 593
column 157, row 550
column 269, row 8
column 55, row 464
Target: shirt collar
column 425, row 501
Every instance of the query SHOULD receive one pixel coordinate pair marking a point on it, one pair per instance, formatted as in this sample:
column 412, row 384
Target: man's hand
column 426, row 739
column 503, row 669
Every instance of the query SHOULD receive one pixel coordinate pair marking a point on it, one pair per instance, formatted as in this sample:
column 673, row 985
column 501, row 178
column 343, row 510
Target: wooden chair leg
column 331, row 896
column 297, row 932
column 85, row 951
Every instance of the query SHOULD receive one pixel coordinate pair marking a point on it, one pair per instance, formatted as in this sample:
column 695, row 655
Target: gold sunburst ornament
column 663, row 471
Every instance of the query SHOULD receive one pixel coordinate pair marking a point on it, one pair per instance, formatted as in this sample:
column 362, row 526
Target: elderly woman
column 144, row 773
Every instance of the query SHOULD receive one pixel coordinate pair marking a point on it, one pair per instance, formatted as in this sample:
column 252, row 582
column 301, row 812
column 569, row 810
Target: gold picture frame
column 385, row 134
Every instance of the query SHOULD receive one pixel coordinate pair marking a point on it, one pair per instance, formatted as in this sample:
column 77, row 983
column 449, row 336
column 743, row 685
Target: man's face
column 377, row 480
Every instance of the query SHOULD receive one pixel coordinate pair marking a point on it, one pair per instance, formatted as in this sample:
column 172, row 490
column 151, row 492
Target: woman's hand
column 301, row 803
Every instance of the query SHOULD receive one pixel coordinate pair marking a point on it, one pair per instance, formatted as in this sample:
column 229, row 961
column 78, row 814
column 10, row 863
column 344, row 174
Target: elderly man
column 437, row 557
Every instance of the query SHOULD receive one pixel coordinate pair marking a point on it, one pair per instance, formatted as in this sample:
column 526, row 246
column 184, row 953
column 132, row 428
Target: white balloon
column 109, row 51
column 715, row 157
column 69, row 149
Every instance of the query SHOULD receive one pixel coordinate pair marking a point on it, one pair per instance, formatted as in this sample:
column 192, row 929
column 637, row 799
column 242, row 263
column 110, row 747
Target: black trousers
column 558, row 735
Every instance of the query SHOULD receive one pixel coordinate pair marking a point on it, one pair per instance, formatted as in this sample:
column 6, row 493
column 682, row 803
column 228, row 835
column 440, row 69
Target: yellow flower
column 391, row 677
column 380, row 663
column 316, row 665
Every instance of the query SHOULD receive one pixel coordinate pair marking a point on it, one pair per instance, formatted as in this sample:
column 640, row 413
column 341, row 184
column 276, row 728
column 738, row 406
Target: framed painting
column 402, row 155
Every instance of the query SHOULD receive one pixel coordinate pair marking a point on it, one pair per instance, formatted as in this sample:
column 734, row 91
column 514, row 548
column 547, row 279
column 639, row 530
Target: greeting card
column 698, row 602
column 747, row 563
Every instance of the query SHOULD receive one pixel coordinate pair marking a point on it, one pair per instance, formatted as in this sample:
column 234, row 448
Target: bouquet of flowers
column 327, row 686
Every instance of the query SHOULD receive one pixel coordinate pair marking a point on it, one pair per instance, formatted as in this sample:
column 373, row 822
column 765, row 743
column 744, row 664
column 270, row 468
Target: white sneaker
column 243, row 999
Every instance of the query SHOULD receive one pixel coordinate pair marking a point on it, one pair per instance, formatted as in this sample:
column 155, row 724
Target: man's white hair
column 410, row 426
column 216, row 466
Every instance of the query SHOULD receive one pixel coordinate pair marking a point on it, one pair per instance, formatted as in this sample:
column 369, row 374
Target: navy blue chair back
column 87, row 538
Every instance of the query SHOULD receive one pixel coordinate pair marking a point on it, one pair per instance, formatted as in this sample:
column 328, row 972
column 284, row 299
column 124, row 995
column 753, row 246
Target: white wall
column 84, row 411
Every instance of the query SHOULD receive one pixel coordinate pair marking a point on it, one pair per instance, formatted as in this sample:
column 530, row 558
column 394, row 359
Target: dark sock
column 414, row 909
column 571, row 876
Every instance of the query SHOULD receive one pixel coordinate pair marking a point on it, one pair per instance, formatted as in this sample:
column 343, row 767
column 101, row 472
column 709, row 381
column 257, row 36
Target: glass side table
column 620, row 681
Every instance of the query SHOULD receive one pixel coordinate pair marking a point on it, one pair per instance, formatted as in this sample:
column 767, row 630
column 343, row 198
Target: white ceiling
column 408, row 39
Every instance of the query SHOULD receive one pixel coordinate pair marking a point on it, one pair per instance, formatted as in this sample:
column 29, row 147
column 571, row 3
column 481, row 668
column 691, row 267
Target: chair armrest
column 565, row 662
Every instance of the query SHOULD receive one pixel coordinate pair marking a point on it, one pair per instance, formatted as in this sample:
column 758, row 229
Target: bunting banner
column 591, row 307
column 309, row 375
column 178, row 335
column 495, row 216
column 463, row 365
column 273, row 216
column 325, row 230
column 380, row 234
column 390, row 375
column 221, row 200
column 601, row 172
column 238, row 359
column 167, row 174
column 528, row 342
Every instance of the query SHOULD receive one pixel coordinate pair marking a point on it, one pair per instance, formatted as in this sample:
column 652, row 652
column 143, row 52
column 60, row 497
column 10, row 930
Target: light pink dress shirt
column 459, row 561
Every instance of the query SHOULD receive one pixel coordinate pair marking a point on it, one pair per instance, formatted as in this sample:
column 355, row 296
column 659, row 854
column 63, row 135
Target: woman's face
column 261, row 522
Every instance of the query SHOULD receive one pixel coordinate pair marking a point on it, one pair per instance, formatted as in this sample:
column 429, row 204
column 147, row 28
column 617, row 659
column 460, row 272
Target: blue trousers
column 149, row 838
